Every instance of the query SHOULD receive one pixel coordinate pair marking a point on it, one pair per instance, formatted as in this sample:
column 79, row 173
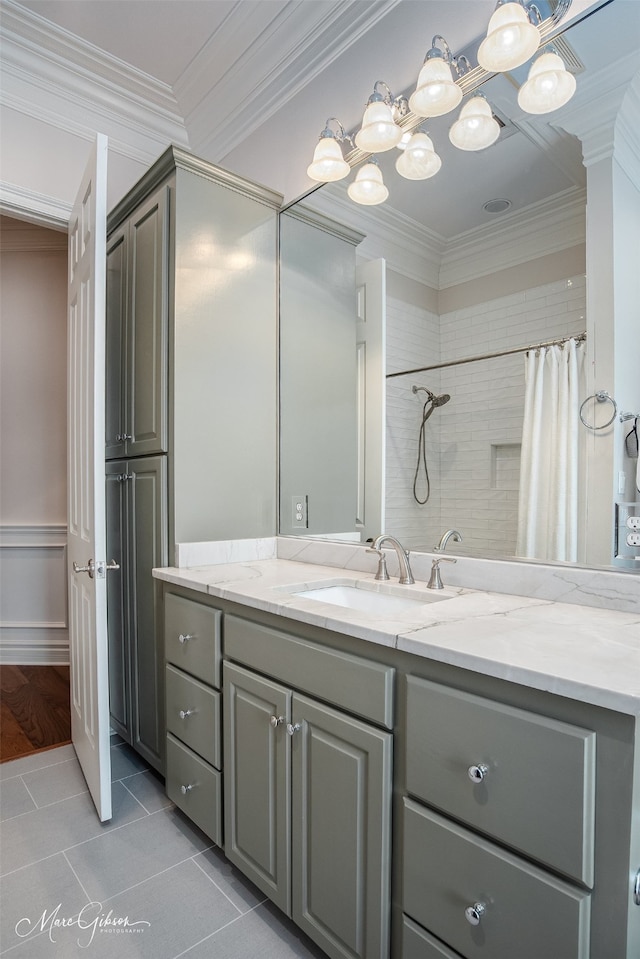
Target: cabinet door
column 256, row 781
column 147, row 327
column 117, row 250
column 118, row 621
column 147, row 547
column 341, row 845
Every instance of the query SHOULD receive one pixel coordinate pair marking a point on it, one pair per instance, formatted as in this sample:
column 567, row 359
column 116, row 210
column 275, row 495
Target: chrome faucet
column 444, row 539
column 406, row 576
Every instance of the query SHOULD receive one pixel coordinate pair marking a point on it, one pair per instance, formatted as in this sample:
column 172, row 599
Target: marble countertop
column 582, row 652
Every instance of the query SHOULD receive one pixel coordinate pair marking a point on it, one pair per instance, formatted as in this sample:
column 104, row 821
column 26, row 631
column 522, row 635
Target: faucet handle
column 382, row 573
column 435, row 580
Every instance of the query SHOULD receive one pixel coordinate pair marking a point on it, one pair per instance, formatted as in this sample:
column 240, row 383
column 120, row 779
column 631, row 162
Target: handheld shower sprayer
column 432, row 403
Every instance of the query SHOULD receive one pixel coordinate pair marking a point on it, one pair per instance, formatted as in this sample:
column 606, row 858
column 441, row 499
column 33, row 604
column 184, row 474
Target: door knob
column 90, row 568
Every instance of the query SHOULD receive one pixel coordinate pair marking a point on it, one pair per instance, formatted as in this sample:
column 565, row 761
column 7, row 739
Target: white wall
column 33, row 465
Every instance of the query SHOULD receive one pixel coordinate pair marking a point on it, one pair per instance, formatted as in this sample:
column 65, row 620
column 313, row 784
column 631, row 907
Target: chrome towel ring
column 602, row 397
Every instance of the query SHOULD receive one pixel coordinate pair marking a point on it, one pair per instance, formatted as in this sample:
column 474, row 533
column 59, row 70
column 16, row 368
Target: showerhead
column 435, row 400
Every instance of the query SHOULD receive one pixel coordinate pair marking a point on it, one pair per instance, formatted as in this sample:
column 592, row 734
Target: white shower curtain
column 548, row 503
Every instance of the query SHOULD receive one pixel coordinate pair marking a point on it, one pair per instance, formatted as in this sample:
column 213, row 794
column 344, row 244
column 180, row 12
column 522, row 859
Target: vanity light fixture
column 512, row 36
column 419, row 161
column 368, row 187
column 379, row 131
column 437, row 92
column 549, row 84
column 476, row 128
column 328, row 163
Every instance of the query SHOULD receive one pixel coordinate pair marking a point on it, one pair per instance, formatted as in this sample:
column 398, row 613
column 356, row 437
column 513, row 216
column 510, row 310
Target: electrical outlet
column 633, row 522
column 300, row 512
column 633, row 539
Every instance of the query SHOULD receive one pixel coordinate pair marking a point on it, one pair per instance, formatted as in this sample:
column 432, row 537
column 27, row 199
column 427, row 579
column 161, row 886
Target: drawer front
column 528, row 913
column 193, row 714
column 418, row 944
column 202, row 802
column 350, row 682
column 522, row 762
column 192, row 637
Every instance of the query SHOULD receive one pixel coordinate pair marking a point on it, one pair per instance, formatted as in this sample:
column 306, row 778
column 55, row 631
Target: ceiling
column 251, row 82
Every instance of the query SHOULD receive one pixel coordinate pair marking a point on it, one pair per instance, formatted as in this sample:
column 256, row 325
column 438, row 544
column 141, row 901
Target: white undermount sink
column 367, row 598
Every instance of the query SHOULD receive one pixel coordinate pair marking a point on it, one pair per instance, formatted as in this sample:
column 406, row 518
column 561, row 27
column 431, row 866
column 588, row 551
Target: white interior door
column 371, row 366
column 86, row 538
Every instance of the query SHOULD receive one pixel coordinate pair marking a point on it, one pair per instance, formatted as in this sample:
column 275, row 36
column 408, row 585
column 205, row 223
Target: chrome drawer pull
column 187, row 789
column 291, row 729
column 186, row 712
column 276, row 720
column 473, row 914
column 636, row 889
column 477, row 773
column 185, row 637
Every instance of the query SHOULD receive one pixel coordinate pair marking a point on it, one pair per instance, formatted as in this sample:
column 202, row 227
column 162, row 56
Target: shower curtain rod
column 490, row 356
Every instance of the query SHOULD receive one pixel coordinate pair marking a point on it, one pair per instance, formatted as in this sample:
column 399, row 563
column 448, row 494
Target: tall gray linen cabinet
column 191, row 408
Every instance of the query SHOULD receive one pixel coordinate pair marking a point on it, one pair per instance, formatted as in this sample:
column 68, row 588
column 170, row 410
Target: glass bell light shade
column 511, row 39
column 549, row 85
column 419, row 160
column 475, row 128
column 379, row 131
column 368, row 188
column 436, row 92
column 328, row 163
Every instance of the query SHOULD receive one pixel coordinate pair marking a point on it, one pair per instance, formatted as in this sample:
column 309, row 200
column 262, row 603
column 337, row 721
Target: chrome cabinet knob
column 276, row 720
column 185, row 637
column 186, row 712
column 292, row 729
column 473, row 914
column 477, row 773
column 187, row 789
column 125, row 437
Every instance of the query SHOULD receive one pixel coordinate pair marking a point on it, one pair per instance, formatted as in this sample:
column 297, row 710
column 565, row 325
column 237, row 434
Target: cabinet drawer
column 350, row 682
column 527, row 763
column 528, row 913
column 418, row 944
column 193, row 714
column 192, row 637
column 202, row 803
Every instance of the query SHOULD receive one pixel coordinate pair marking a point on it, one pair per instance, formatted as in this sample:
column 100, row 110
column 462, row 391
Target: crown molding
column 32, row 241
column 299, row 211
column 408, row 247
column 51, row 75
column 23, row 204
column 263, row 77
column 554, row 224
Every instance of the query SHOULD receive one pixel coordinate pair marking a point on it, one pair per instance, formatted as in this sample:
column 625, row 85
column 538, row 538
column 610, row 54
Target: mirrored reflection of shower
column 432, row 402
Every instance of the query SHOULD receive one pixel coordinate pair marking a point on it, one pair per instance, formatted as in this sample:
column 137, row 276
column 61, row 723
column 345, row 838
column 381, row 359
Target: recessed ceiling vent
column 496, row 206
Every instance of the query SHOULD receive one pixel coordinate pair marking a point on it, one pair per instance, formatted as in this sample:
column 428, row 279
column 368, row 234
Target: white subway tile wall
column 473, row 441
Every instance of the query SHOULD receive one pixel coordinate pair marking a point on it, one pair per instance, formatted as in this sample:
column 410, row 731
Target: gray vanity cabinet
column 137, row 536
column 192, row 647
column 498, row 828
column 308, row 796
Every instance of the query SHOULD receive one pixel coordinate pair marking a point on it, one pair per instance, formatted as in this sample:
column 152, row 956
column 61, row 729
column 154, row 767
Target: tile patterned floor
column 149, row 864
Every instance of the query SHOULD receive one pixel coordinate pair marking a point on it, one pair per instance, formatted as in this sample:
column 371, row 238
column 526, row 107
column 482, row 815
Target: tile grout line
column 124, row 786
column 66, row 858
column 211, row 880
column 38, row 768
column 226, row 926
column 135, row 885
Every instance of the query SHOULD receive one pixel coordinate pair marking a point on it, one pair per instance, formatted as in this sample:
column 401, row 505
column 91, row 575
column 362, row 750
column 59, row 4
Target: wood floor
column 34, row 709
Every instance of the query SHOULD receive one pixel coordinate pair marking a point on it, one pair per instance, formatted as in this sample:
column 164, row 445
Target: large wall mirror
column 404, row 331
